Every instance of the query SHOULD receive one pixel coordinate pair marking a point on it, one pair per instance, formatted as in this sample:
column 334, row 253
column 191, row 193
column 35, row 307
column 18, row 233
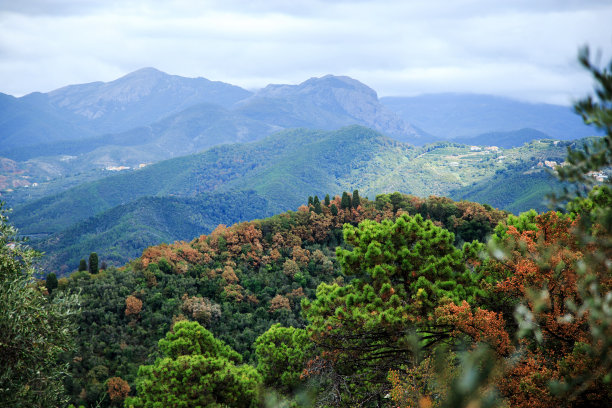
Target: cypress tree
column 93, row 263
column 346, row 201
column 82, row 265
column 310, row 201
column 317, row 205
column 356, row 200
column 326, row 202
column 334, row 210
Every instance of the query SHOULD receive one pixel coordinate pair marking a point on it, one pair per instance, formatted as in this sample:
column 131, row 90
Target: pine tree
column 310, row 201
column 82, row 265
column 327, row 201
column 93, row 263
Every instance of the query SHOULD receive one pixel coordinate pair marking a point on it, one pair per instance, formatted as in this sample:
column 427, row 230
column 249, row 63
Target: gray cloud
column 524, row 49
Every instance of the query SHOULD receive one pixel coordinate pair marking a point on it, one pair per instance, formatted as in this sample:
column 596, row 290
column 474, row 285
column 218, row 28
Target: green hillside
column 279, row 170
column 122, row 232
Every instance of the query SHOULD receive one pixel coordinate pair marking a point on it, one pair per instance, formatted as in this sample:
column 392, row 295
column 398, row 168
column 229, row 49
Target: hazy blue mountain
column 81, row 111
column 327, row 103
column 31, row 120
column 513, row 138
column 140, row 98
column 463, row 115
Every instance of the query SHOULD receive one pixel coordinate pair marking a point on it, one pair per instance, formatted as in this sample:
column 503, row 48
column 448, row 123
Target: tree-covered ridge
column 236, row 282
column 279, row 171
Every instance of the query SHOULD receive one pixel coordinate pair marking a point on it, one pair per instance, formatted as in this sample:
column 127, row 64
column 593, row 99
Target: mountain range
column 115, row 167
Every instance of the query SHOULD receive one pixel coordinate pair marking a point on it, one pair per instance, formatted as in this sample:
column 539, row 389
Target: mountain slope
column 141, row 97
column 284, row 168
column 327, row 103
column 463, row 115
column 80, row 111
column 509, row 139
column 122, row 232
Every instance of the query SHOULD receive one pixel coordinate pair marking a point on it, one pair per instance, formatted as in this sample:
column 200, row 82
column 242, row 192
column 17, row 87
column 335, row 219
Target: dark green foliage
column 346, row 201
column 51, row 282
column 334, row 210
column 310, row 201
column 355, row 201
column 93, row 263
column 82, row 265
column 34, row 329
column 327, row 201
column 317, row 205
column 196, row 370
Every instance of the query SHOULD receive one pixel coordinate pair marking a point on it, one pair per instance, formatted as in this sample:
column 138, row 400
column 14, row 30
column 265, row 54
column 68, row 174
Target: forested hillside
column 236, row 281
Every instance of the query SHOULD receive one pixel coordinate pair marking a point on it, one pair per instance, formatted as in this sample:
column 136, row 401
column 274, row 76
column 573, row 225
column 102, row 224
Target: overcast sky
column 522, row 49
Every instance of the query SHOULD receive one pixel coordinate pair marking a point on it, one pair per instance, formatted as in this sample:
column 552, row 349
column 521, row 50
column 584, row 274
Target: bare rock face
column 328, row 102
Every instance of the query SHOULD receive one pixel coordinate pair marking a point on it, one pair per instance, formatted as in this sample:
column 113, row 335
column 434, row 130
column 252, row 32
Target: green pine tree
column 82, row 265
column 327, row 200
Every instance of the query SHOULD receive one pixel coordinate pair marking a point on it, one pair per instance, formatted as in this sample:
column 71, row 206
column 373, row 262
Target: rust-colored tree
column 133, row 305
column 118, row 389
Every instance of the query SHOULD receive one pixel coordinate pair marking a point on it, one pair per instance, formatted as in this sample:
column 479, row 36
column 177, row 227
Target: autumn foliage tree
column 117, row 388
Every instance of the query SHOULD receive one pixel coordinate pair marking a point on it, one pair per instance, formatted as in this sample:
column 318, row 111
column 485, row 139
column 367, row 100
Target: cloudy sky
column 524, row 49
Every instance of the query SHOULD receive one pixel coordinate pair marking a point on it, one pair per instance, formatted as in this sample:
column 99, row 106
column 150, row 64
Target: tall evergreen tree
column 82, row 265
column 310, row 201
column 346, row 201
column 356, row 200
column 93, row 263
column 51, row 282
column 327, row 201
column 333, row 209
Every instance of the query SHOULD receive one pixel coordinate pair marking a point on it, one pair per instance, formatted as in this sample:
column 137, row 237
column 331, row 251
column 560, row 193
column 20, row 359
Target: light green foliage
column 412, row 256
column 523, row 222
column 282, row 353
column 196, row 370
column 402, row 270
column 34, row 330
column 188, row 338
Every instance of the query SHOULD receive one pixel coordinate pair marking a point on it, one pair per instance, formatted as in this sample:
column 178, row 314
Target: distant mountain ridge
column 327, row 103
column 147, row 116
column 453, row 115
